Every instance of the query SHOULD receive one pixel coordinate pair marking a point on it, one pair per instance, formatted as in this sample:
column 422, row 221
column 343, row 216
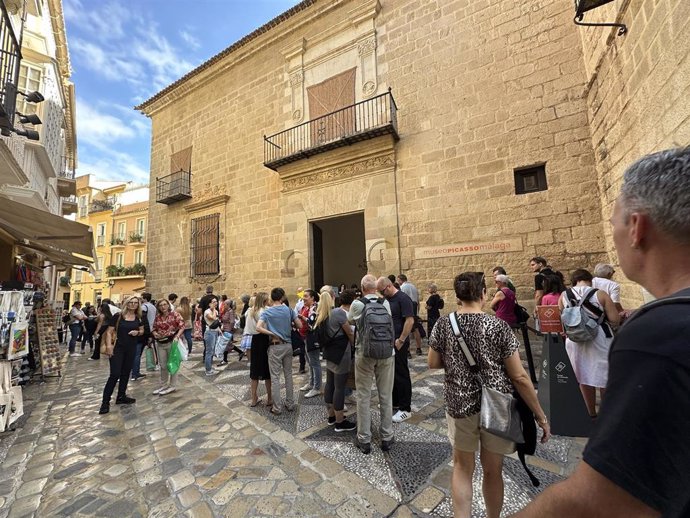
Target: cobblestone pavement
column 202, row 452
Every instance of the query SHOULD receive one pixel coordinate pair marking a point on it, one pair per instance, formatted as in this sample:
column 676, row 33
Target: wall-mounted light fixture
column 582, row 6
column 7, row 121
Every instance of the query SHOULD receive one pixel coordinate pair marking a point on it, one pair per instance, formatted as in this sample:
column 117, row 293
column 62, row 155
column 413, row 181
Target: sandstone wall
column 482, row 87
column 637, row 94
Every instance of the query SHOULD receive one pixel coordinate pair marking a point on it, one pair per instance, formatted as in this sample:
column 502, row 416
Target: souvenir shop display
column 49, row 352
column 19, row 340
column 11, row 401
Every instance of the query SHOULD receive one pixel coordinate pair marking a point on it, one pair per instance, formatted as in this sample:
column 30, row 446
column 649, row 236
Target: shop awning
column 59, row 239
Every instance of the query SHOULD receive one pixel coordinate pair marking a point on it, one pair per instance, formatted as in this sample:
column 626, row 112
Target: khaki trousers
column 383, row 372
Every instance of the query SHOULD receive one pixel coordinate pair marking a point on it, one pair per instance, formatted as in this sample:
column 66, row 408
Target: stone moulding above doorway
column 362, row 159
column 221, row 199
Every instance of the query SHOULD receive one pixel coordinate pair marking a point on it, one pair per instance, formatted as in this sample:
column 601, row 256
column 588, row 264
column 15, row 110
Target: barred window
column 205, row 257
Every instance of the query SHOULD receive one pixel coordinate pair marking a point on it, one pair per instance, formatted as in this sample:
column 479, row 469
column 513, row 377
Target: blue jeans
column 74, row 330
column 210, row 337
column 136, row 368
column 188, row 338
column 315, row 368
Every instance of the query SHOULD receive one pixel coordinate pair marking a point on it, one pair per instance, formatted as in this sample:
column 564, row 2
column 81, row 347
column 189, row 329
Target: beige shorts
column 465, row 435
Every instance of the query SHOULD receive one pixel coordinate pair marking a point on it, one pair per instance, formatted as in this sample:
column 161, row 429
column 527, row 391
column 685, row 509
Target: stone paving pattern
column 203, row 452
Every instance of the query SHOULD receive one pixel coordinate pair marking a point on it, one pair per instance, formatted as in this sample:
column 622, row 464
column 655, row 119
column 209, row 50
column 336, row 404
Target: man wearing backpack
column 636, row 461
column 402, row 311
column 368, row 368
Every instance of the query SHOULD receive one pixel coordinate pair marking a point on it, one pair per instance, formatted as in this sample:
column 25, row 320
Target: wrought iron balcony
column 10, row 57
column 174, row 187
column 136, row 269
column 361, row 121
column 101, row 205
column 118, row 239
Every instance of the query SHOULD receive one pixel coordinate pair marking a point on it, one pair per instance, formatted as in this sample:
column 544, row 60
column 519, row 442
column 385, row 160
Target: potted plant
column 112, row 270
column 135, row 238
column 139, row 269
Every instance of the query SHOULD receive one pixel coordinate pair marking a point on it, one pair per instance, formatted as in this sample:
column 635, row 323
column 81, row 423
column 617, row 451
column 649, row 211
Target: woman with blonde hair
column 185, row 311
column 258, row 365
column 335, row 337
column 121, row 346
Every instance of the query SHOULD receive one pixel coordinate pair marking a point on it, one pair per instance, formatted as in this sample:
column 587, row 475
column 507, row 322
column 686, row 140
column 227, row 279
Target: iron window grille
column 205, row 245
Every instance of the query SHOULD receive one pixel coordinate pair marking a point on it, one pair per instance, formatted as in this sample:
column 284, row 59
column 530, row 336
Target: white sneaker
column 74, row 355
column 212, row 372
column 167, row 390
column 313, row 393
column 401, row 416
column 160, row 389
column 306, row 387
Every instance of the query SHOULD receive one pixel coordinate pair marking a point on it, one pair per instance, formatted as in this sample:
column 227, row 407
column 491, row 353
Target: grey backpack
column 578, row 323
column 376, row 329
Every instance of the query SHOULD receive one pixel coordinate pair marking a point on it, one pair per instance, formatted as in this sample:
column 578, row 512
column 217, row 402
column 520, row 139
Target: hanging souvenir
column 19, row 340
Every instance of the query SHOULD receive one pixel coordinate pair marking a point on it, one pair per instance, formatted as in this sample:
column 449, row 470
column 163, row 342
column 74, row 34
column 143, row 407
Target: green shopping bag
column 150, row 360
column 174, row 358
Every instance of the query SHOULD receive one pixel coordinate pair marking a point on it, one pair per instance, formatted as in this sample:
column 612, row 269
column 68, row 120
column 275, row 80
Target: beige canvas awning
column 59, row 239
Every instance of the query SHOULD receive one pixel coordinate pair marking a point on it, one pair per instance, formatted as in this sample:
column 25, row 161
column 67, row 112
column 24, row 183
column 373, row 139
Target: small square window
column 530, row 179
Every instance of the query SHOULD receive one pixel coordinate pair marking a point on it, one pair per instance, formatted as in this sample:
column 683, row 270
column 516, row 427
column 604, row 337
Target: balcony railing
column 118, row 240
column 361, row 121
column 10, row 57
column 136, row 237
column 115, row 270
column 174, row 187
column 101, row 205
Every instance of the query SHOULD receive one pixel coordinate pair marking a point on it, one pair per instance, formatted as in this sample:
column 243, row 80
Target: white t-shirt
column 612, row 288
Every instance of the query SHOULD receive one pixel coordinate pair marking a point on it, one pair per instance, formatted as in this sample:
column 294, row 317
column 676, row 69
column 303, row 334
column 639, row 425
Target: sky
column 124, row 52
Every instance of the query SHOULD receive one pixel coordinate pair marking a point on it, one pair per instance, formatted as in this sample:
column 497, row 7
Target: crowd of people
column 628, row 469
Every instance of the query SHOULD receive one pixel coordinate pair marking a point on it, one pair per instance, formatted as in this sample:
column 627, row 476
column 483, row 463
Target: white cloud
column 160, row 57
column 116, row 166
column 99, row 128
column 107, row 22
column 190, row 40
column 107, row 62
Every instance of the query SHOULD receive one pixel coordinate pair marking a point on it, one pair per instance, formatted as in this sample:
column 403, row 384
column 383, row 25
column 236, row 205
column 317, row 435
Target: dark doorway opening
column 338, row 251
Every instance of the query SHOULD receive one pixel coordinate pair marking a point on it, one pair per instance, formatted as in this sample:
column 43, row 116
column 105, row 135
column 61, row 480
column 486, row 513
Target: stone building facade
column 408, row 128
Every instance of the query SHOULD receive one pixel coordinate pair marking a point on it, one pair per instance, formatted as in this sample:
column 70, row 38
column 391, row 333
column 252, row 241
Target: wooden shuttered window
column 328, row 97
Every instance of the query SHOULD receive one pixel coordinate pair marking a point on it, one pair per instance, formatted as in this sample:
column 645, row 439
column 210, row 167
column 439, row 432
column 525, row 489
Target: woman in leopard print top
column 495, row 349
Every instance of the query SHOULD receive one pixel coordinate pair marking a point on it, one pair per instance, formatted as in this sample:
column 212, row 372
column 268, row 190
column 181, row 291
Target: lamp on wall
column 30, row 118
column 7, row 113
column 582, row 6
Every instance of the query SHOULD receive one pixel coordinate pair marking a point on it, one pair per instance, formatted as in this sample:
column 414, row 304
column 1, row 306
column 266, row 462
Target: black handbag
column 215, row 324
column 297, row 342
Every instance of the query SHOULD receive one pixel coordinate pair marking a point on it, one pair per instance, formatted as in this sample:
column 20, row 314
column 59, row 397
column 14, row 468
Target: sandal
column 269, row 403
column 255, row 403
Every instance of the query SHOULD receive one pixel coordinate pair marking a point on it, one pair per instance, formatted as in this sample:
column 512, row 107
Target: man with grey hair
column 636, row 463
column 602, row 281
column 368, row 370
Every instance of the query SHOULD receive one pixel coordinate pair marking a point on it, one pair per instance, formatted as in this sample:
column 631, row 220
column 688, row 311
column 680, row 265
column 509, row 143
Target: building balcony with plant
column 134, row 270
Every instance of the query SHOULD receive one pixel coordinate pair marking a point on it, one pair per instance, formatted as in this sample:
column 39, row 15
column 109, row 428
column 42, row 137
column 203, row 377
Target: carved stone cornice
column 207, row 203
column 340, row 173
